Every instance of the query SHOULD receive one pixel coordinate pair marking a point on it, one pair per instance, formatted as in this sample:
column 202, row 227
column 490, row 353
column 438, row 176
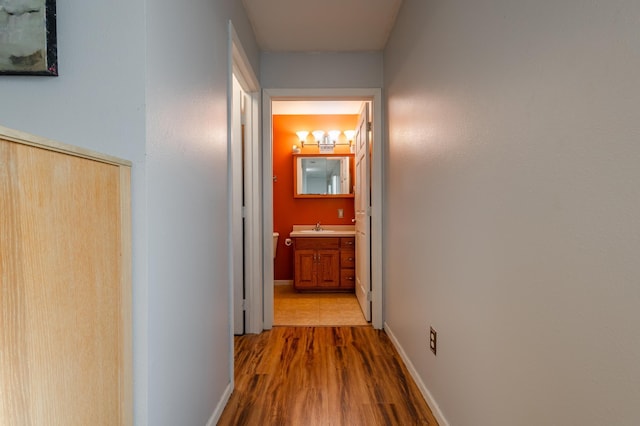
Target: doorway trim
column 365, row 94
column 240, row 67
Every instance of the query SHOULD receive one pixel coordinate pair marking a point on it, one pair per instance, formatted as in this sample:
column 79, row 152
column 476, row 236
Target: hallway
column 322, row 376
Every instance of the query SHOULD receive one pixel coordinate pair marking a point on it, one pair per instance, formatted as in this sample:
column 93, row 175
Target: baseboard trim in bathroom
column 283, row 282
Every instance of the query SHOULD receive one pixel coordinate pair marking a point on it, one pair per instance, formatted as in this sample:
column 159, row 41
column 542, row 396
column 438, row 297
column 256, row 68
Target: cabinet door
column 328, row 268
column 304, row 267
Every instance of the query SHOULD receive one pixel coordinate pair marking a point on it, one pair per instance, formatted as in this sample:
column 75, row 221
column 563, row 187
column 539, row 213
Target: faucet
column 317, row 227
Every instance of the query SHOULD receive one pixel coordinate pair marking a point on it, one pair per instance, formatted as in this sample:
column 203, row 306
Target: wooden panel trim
column 51, row 145
column 126, row 300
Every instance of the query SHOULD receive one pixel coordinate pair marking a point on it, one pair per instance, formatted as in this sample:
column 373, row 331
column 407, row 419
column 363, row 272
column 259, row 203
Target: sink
column 331, row 231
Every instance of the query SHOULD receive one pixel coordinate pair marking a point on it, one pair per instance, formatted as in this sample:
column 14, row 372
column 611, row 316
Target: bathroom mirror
column 323, row 176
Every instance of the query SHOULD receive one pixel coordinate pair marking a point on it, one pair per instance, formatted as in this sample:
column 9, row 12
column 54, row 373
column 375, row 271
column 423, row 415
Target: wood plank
column 322, row 376
column 126, row 300
column 63, row 327
column 23, row 138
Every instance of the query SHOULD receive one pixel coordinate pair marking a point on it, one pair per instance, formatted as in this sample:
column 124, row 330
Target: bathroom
column 289, row 117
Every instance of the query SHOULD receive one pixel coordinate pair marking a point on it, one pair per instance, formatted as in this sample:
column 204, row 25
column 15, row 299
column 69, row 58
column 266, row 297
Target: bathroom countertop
column 327, row 231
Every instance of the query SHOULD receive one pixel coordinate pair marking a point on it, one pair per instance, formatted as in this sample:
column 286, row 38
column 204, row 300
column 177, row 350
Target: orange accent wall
column 289, row 211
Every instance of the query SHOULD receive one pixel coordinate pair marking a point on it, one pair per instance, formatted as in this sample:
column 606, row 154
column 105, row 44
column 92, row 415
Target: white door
column 236, row 190
column 345, row 183
column 363, row 213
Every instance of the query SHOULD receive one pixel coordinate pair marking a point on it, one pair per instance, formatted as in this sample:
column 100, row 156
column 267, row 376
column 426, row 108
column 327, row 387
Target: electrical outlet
column 433, row 340
column 340, row 213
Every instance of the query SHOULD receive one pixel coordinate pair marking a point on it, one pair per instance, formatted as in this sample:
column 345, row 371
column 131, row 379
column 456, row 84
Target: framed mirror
column 323, row 176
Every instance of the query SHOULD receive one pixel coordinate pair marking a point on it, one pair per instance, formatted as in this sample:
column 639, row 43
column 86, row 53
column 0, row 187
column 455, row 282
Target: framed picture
column 28, row 37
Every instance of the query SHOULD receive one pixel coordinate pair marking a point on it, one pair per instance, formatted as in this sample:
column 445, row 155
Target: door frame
column 365, row 94
column 240, row 67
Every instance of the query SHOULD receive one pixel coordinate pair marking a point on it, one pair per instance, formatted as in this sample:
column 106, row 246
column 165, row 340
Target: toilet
column 275, row 243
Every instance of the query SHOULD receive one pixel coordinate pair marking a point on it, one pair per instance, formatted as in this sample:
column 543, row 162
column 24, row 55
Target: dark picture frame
column 28, row 44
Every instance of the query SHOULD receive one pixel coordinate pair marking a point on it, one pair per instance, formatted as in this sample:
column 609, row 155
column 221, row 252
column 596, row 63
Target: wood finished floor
column 322, row 376
column 315, row 309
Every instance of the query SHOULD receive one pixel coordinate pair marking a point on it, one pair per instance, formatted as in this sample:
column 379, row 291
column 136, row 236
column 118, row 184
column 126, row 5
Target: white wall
column 147, row 81
column 189, row 323
column 97, row 102
column 511, row 220
column 318, row 70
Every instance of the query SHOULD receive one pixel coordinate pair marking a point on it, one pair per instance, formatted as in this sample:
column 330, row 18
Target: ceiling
column 322, row 25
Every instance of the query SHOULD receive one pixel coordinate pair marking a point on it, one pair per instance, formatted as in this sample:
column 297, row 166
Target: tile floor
column 291, row 308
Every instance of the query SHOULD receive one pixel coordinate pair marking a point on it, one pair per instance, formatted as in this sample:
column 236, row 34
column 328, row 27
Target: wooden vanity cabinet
column 324, row 263
column 347, row 263
column 316, row 263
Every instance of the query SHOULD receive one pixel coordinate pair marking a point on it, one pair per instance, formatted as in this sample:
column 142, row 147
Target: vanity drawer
column 316, row 243
column 347, row 242
column 347, row 278
column 347, row 258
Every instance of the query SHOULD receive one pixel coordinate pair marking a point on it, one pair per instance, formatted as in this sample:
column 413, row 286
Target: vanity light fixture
column 350, row 135
column 318, row 135
column 333, row 136
column 322, row 139
column 302, row 135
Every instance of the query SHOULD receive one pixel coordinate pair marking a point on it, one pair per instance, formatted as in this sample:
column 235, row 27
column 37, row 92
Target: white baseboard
column 282, row 282
column 213, row 420
column 437, row 413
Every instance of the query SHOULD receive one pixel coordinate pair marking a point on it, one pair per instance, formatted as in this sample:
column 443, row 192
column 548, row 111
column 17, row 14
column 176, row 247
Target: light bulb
column 333, row 135
column 317, row 135
column 349, row 134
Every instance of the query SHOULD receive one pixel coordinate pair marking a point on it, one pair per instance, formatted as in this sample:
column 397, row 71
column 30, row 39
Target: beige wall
column 512, row 200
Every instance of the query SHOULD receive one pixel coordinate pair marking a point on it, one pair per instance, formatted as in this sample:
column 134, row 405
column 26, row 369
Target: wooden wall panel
column 65, row 333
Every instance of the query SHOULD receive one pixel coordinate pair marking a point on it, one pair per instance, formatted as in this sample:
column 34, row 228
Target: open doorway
column 336, row 214
column 313, row 187
column 315, row 165
column 245, row 217
column 237, row 170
